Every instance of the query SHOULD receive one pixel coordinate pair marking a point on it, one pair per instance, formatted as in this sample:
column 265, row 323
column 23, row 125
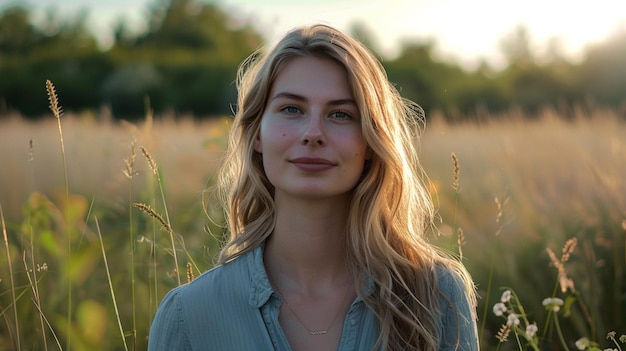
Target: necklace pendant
column 315, row 333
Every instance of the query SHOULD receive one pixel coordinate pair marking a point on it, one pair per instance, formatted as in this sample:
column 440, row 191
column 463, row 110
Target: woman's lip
column 312, row 160
column 312, row 164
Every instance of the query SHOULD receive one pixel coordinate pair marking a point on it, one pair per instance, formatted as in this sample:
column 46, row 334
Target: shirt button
column 353, row 321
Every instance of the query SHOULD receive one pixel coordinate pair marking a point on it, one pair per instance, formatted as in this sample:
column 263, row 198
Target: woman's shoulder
column 206, row 310
column 457, row 321
column 220, row 281
column 453, row 283
column 448, row 279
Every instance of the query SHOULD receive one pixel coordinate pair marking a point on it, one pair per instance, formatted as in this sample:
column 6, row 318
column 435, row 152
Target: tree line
column 186, row 61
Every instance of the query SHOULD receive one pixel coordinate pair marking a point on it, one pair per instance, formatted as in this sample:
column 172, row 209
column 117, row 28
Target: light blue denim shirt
column 233, row 307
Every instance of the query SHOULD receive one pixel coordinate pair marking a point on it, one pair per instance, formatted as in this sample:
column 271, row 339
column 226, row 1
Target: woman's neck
column 307, row 248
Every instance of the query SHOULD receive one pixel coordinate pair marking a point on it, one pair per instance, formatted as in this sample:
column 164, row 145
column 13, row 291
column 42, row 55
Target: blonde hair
column 390, row 211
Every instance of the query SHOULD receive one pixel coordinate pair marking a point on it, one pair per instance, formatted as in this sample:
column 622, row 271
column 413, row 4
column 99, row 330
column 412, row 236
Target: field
column 78, row 248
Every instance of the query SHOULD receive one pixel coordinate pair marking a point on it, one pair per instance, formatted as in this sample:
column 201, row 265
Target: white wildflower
column 582, row 343
column 506, row 296
column 499, row 309
column 512, row 320
column 552, row 303
column 531, row 330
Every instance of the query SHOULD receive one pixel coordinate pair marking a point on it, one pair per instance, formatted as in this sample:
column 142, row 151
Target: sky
column 463, row 31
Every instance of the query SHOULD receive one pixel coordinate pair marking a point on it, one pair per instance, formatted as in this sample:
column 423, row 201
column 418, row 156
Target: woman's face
column 310, row 134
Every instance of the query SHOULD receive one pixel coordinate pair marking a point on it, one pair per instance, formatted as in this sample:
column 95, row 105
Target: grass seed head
column 56, row 109
column 564, row 281
column 189, row 273
column 460, row 240
column 147, row 209
column 457, row 172
column 151, row 162
column 568, row 248
column 130, row 161
column 31, row 156
column 503, row 333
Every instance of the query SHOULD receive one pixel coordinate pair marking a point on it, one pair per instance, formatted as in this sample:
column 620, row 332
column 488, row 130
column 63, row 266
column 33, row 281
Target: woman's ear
column 257, row 144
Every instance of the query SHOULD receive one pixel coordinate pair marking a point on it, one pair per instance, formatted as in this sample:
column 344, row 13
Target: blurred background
column 447, row 55
column 529, row 97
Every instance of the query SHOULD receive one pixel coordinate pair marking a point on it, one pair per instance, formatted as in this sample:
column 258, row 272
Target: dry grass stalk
column 30, row 151
column 189, row 272
column 56, row 109
column 129, row 162
column 129, row 173
column 460, row 240
column 503, row 333
column 56, row 339
column 147, row 209
column 499, row 215
column 457, row 172
column 153, row 167
column 568, row 248
column 11, row 278
column 499, row 207
column 564, row 281
column 151, row 162
column 35, row 290
column 111, row 290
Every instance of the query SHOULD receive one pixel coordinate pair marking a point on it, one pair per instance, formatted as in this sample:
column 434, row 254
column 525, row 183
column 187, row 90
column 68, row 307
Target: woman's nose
column 313, row 131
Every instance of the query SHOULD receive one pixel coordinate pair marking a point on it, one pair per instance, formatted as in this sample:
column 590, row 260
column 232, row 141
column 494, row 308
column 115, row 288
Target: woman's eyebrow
column 342, row 102
column 287, row 95
column 292, row 96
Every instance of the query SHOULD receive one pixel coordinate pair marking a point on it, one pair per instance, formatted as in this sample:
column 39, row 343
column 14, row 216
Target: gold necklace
column 312, row 332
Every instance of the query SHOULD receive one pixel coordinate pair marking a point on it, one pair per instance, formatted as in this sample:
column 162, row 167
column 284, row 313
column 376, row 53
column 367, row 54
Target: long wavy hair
column 391, row 210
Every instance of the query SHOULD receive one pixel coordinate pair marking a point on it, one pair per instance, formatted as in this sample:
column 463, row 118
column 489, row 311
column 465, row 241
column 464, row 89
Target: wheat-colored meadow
column 525, row 185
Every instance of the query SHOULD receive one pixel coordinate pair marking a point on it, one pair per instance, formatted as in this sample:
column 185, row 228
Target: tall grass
column 13, row 299
column 115, row 238
column 531, row 184
column 42, row 211
column 57, row 111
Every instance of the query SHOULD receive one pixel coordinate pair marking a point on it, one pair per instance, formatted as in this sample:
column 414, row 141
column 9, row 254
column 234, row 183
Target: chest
column 355, row 329
column 323, row 335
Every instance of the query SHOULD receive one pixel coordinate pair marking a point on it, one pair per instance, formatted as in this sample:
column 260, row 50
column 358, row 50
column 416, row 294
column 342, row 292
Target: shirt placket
column 350, row 332
column 270, row 312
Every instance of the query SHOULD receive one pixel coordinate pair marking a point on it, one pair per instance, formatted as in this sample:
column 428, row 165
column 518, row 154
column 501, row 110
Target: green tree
column 17, row 35
column 531, row 82
column 189, row 56
column 59, row 49
column 67, row 37
column 516, row 47
column 362, row 32
column 604, row 71
column 431, row 83
column 192, row 28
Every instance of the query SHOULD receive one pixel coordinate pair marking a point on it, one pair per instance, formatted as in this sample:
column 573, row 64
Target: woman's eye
column 341, row 115
column 291, row 109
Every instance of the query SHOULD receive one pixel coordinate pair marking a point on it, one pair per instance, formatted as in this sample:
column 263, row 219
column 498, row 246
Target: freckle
column 284, row 135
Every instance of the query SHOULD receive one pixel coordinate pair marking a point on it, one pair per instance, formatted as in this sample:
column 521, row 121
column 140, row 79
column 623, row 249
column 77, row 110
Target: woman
column 327, row 213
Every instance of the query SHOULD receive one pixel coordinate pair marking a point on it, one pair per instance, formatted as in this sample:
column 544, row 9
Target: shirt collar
column 261, row 289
